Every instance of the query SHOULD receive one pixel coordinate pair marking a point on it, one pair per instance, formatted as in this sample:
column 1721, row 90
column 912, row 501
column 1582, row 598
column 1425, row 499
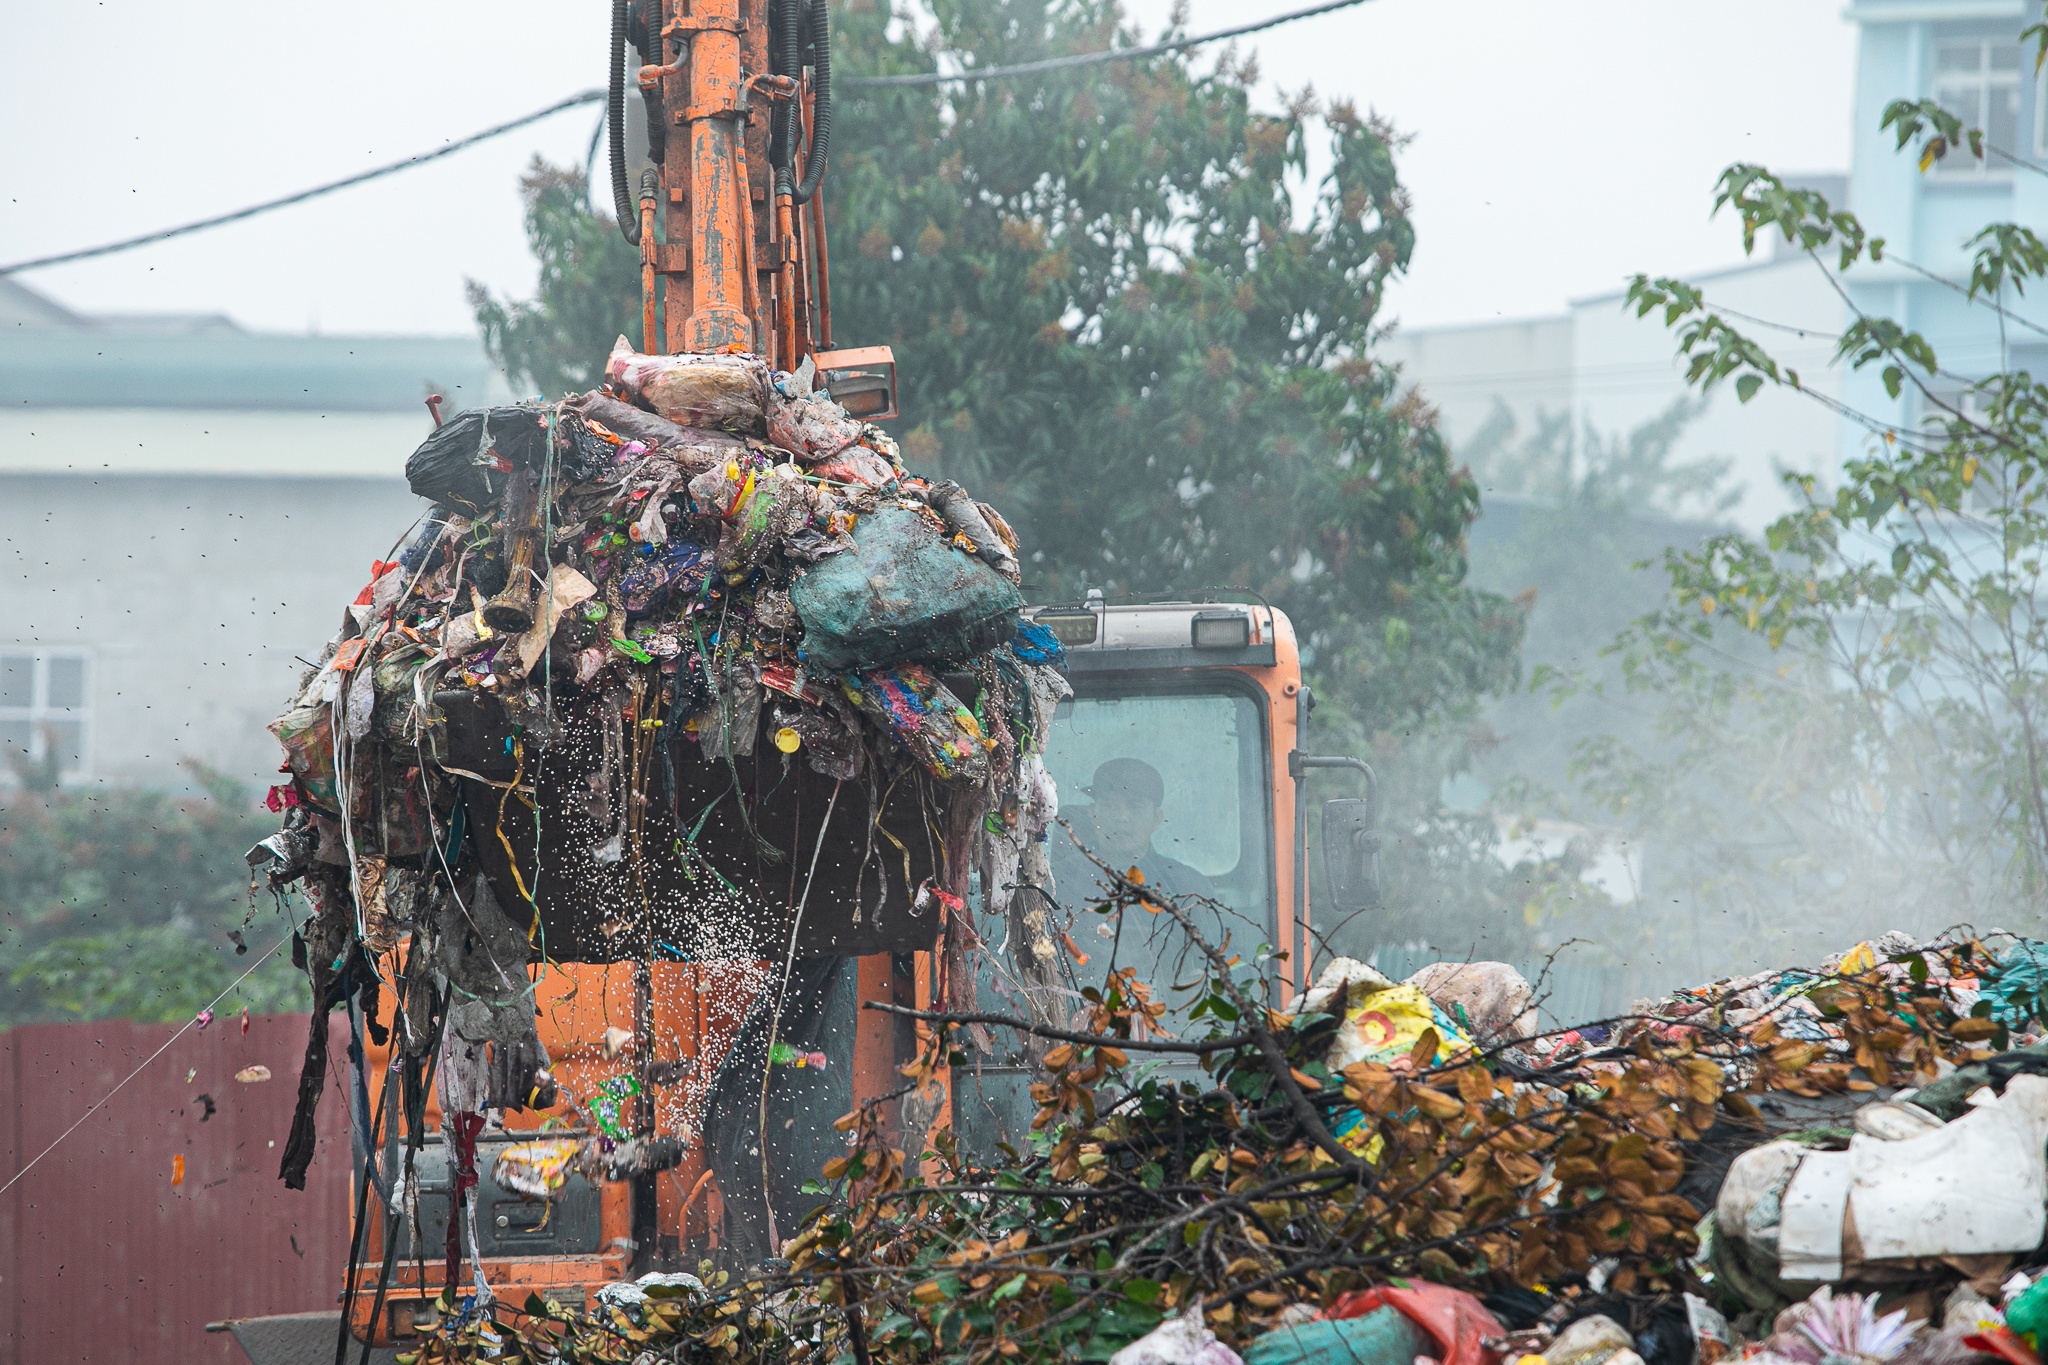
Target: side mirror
column 1351, row 854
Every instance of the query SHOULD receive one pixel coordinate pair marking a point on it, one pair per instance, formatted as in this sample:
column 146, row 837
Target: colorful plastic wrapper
column 537, row 1170
column 926, row 719
column 608, row 1107
column 307, row 734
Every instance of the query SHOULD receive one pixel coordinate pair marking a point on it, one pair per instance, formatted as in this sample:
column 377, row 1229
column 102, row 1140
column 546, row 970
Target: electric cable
column 218, row 220
column 602, row 96
column 1083, row 59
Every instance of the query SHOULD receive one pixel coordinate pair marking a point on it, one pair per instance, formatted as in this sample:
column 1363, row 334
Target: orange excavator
column 1183, row 748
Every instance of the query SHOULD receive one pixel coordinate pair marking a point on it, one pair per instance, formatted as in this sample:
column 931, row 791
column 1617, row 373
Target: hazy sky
column 1559, row 145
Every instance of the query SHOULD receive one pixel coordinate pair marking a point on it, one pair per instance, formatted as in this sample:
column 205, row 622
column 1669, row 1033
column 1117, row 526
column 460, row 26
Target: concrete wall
column 185, row 510
column 191, row 594
column 1630, row 372
column 1525, row 364
column 1614, row 371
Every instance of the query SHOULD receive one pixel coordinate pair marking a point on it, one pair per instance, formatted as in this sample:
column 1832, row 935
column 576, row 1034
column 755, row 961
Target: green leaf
column 1143, row 1291
column 1746, row 387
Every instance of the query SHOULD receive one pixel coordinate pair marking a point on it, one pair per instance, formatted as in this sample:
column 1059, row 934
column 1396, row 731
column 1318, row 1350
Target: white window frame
column 40, row 712
column 1959, row 164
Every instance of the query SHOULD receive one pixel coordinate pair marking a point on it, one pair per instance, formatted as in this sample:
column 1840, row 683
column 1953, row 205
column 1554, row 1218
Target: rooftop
column 52, row 357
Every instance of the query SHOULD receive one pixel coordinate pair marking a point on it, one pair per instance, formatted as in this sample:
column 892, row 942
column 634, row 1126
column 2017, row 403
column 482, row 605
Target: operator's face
column 1126, row 823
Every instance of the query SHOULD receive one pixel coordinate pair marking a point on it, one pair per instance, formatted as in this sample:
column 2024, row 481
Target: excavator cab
column 1181, row 753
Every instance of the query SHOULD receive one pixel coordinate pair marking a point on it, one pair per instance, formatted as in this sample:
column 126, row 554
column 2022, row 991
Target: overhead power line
column 1115, row 54
column 129, row 243
column 1084, row 59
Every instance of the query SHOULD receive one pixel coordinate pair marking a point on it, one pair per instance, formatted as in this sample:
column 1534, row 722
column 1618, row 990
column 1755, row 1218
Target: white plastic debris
column 1182, row 1340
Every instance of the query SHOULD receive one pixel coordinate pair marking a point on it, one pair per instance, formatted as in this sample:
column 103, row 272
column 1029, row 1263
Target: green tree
column 118, row 903
column 557, row 341
column 1854, row 718
column 1125, row 312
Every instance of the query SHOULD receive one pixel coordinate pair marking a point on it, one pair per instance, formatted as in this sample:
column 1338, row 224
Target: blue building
column 1968, row 56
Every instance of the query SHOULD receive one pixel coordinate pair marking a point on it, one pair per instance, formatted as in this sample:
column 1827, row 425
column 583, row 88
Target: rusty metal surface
column 102, row 1257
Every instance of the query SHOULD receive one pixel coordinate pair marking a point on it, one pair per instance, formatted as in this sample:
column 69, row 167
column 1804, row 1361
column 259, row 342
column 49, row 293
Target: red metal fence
column 158, row 1216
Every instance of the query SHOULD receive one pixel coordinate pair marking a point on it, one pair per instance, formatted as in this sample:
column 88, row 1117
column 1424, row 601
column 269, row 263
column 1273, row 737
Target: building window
column 1978, row 80
column 46, row 707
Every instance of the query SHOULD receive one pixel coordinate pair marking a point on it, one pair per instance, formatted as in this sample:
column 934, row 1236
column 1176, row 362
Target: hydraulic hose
column 624, row 207
column 786, row 60
column 821, row 110
column 650, row 47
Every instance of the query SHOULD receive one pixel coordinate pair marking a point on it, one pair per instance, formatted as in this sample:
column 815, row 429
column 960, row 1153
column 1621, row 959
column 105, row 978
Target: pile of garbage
column 1837, row 1164
column 600, row 703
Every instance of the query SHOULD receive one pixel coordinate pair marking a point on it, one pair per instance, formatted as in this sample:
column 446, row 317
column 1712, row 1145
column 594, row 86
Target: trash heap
column 525, row 739
column 1843, row 1164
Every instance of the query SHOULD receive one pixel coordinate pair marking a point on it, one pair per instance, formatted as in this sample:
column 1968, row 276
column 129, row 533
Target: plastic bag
column 464, row 464
column 726, row 392
column 811, row 426
column 963, row 514
column 681, row 568
column 904, row 594
column 926, row 718
column 1182, row 1340
column 859, row 466
column 307, row 734
column 1386, row 1025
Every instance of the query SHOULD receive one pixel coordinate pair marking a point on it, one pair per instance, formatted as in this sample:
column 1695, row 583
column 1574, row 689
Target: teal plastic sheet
column 905, row 594
column 1381, row 1337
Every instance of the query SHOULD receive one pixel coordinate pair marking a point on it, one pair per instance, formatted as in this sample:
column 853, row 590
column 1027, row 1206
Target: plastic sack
column 307, row 734
column 926, row 718
column 904, row 594
column 1182, row 1340
column 1496, row 1000
column 726, row 392
column 464, row 464
column 1973, row 1187
column 1457, row 1323
column 1383, row 1337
